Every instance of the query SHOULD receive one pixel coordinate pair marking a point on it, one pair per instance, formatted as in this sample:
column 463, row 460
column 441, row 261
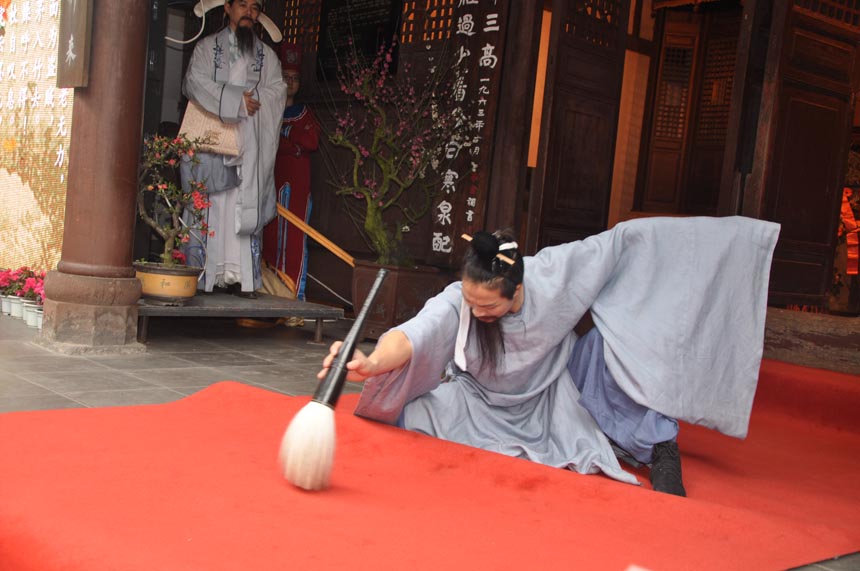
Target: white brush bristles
column 307, row 449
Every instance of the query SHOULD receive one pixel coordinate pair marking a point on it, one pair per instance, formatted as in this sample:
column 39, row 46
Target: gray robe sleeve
column 432, row 333
column 680, row 303
column 261, row 135
column 683, row 316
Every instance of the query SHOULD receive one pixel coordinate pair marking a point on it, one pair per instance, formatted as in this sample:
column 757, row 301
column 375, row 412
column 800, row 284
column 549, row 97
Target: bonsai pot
column 167, row 285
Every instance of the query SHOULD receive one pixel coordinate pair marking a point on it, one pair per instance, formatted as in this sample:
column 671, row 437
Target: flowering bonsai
column 158, row 178
column 395, row 130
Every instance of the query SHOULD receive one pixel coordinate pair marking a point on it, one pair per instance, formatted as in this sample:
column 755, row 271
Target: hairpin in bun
column 487, row 247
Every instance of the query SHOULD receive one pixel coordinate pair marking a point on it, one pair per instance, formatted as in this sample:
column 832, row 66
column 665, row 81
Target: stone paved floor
column 185, row 355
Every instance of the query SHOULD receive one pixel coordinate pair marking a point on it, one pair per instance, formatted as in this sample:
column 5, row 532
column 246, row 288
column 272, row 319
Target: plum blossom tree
column 395, row 128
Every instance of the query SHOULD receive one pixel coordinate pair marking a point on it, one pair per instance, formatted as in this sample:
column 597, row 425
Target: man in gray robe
column 235, row 76
column 679, row 307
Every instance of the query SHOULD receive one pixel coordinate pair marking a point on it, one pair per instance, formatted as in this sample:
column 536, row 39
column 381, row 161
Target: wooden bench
column 225, row 305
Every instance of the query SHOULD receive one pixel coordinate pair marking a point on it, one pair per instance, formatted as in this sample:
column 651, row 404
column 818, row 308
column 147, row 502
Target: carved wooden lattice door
column 571, row 194
column 691, row 112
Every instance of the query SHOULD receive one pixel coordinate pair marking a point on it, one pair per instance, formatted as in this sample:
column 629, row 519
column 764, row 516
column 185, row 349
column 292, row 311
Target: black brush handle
column 330, row 388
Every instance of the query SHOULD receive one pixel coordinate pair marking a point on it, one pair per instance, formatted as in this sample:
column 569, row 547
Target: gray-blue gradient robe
column 680, row 303
column 242, row 189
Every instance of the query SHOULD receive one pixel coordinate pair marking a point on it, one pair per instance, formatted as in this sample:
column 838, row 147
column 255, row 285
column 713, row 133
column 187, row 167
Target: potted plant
column 12, row 284
column 392, row 132
column 32, row 296
column 172, row 212
column 5, row 290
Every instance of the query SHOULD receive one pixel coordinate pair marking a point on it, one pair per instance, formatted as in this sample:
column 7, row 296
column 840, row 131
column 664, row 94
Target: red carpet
column 193, row 485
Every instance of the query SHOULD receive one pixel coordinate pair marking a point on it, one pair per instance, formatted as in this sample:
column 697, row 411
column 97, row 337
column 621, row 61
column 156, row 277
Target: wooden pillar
column 732, row 176
column 511, row 147
column 91, row 299
column 753, row 196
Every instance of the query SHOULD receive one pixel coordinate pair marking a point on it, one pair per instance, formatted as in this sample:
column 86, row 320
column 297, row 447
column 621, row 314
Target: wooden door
column 802, row 145
column 710, row 120
column 682, row 163
column 673, row 102
column 570, row 196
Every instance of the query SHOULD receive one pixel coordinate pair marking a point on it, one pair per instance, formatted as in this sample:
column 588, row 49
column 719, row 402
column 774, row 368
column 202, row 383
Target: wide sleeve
column 272, row 94
column 683, row 318
column 432, row 333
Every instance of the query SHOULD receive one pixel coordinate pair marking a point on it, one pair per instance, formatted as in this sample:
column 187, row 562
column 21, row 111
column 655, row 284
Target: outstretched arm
column 392, row 352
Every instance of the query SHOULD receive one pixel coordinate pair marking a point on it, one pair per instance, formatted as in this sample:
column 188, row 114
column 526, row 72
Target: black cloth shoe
column 236, row 289
column 666, row 469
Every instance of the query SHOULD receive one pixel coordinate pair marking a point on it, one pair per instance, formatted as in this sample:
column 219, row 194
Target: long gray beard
column 491, row 341
column 245, row 39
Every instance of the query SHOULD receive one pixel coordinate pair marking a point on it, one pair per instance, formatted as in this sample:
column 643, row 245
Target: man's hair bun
column 486, row 246
column 483, row 263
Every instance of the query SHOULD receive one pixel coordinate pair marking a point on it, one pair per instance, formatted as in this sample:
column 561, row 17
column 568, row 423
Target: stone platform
column 813, row 339
column 225, row 305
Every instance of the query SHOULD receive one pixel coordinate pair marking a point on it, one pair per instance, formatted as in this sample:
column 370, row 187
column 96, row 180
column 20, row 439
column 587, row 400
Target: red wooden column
column 91, row 299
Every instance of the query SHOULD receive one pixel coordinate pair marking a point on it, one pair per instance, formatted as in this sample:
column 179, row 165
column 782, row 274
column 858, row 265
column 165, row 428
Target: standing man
column 237, row 77
column 284, row 245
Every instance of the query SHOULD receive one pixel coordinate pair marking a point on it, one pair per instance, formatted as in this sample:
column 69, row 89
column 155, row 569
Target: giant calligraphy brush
column 307, row 449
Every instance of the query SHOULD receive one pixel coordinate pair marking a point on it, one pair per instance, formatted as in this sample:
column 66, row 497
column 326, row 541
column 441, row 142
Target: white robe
column 217, row 81
column 681, row 305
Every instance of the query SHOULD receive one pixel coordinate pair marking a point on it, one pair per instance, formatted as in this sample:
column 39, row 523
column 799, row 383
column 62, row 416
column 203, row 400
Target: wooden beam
column 304, row 227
